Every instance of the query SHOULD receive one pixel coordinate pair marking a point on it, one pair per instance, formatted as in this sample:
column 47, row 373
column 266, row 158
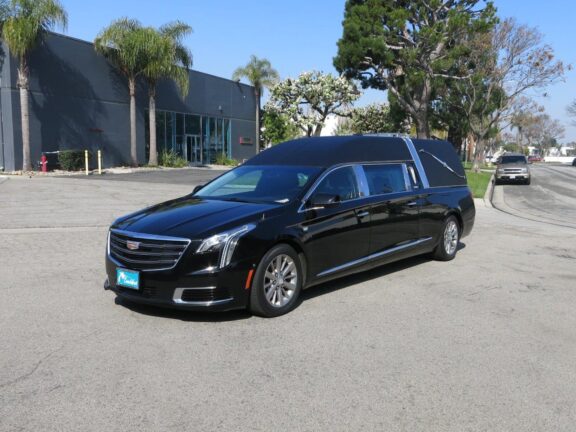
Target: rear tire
column 277, row 282
column 449, row 238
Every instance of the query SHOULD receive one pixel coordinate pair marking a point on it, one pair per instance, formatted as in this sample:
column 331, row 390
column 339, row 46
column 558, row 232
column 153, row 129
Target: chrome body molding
column 417, row 162
column 177, row 298
column 142, row 236
column 374, row 256
column 150, row 236
column 443, row 163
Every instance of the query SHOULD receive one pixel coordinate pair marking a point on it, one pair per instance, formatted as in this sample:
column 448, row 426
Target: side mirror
column 322, row 200
column 197, row 188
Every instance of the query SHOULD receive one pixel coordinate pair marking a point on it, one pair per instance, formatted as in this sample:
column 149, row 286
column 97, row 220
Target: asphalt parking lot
column 482, row 343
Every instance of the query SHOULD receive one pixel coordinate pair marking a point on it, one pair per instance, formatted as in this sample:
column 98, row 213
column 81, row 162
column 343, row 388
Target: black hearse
column 296, row 215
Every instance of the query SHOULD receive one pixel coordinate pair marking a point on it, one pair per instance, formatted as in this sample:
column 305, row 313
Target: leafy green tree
column 25, row 23
column 374, row 118
column 277, row 128
column 168, row 58
column 408, row 47
column 125, row 44
column 504, row 67
column 309, row 99
column 260, row 74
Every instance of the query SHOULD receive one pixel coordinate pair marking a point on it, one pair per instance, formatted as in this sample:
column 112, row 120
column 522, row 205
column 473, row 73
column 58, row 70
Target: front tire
column 449, row 237
column 277, row 282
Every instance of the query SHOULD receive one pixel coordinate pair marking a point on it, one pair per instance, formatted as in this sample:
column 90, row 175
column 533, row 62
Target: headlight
column 225, row 242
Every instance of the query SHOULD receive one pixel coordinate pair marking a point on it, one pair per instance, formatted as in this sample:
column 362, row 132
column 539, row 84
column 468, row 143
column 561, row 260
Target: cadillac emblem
column 132, row 245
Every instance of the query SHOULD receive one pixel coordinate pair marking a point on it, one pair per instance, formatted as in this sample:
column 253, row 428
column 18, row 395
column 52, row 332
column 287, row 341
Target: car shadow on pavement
column 365, row 276
column 315, row 291
column 183, row 315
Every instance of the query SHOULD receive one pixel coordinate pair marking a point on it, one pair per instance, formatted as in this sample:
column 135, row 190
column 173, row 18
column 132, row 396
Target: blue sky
column 301, row 35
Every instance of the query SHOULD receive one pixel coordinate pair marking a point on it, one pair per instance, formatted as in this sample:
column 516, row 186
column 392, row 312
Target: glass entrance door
column 192, row 149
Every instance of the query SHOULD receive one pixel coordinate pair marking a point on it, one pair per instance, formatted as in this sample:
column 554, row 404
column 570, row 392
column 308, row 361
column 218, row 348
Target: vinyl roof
column 328, row 151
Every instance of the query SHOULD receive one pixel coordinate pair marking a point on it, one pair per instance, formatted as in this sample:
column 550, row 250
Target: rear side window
column 384, row 179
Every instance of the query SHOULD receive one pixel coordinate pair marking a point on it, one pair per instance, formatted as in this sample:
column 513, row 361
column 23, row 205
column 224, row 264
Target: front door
column 337, row 236
column 192, row 149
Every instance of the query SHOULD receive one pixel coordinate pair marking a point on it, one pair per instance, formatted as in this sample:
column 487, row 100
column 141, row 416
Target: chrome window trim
column 373, row 256
column 177, row 297
column 307, row 195
column 362, row 181
column 146, row 237
column 406, row 178
column 303, row 209
column 417, row 162
column 407, row 183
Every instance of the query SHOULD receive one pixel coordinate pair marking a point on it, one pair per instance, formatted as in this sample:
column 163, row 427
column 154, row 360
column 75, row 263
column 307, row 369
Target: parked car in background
column 296, row 215
column 512, row 168
column 534, row 158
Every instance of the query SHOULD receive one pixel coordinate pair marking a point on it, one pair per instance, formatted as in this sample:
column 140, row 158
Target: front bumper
column 220, row 290
column 512, row 177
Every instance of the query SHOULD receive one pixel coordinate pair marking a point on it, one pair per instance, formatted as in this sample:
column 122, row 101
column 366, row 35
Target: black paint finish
column 332, row 241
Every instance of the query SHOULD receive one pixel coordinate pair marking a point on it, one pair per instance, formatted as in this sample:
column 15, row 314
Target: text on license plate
column 127, row 278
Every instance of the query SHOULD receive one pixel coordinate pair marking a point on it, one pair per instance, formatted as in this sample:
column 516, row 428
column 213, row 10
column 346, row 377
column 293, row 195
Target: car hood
column 191, row 217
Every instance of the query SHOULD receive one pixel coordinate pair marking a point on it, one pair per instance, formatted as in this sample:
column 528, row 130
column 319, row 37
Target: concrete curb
column 489, row 193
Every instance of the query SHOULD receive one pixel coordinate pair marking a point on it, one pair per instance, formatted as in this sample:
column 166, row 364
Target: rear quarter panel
column 438, row 203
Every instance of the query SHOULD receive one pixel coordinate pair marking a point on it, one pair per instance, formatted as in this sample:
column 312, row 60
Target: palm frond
column 26, row 21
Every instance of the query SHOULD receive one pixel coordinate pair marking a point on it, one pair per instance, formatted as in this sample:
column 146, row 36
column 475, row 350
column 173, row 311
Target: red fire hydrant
column 44, row 162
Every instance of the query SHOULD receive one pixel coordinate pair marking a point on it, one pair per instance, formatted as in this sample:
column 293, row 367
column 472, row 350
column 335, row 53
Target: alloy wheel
column 280, row 280
column 451, row 237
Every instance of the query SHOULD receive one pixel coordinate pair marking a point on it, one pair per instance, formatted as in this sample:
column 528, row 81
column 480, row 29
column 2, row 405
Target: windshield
column 513, row 160
column 252, row 183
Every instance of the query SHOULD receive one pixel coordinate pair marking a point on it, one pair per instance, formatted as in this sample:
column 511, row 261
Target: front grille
column 146, row 252
column 205, row 294
column 513, row 171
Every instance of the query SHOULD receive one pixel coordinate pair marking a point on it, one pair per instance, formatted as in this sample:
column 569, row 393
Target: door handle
column 412, row 204
column 362, row 214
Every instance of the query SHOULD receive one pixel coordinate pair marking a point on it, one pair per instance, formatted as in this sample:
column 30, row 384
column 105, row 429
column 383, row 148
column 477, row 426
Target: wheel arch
column 458, row 215
column 298, row 247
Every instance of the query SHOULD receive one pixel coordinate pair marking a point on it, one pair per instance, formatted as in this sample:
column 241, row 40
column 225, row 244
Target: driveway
column 485, row 342
column 551, row 197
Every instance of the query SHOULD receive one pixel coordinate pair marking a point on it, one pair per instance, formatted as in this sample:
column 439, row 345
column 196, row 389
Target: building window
column 198, row 139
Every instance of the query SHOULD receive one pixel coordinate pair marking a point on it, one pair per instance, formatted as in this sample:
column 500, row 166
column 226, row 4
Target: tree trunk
column 422, row 127
column 153, row 158
column 257, row 96
column 478, row 154
column 24, row 115
column 318, row 130
column 133, row 149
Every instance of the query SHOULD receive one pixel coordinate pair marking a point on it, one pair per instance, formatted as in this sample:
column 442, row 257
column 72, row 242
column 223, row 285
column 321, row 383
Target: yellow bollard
column 86, row 160
column 100, row 162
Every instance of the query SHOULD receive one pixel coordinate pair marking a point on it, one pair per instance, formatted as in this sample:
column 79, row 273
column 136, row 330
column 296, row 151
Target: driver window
column 340, row 182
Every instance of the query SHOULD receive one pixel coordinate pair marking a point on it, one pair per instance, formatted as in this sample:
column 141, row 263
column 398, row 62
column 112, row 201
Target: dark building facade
column 79, row 101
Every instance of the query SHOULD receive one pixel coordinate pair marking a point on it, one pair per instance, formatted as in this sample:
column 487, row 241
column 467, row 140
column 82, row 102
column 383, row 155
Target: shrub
column 71, row 160
column 222, row 159
column 171, row 159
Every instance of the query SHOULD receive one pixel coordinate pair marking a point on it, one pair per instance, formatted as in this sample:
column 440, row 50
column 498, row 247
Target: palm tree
column 124, row 43
column 167, row 58
column 260, row 74
column 25, row 23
